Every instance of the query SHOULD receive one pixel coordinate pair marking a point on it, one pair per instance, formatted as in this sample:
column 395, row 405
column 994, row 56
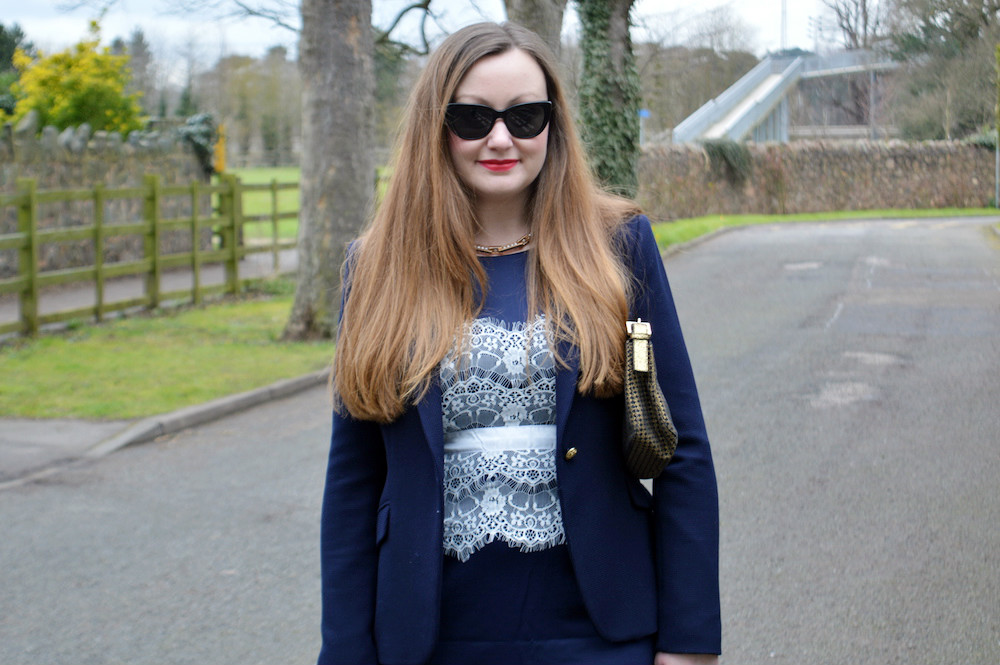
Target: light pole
column 784, row 25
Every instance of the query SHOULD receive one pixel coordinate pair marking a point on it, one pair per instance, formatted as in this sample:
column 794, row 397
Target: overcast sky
column 172, row 36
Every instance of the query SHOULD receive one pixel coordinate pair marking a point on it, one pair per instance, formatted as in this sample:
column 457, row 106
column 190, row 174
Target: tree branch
column 102, row 6
column 276, row 16
column 422, row 5
column 275, row 11
column 425, row 5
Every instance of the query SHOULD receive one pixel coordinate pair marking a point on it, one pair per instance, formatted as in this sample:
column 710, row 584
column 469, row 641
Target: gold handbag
column 650, row 436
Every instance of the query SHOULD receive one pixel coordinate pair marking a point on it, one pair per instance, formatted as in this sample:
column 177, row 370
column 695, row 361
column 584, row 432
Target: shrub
column 729, row 159
column 83, row 84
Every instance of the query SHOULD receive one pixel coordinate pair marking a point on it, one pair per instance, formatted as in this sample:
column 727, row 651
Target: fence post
column 27, row 223
column 195, row 246
column 274, row 226
column 231, row 211
column 225, row 216
column 151, row 215
column 99, row 250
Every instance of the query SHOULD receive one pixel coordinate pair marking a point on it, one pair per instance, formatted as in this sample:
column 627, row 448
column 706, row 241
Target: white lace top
column 498, row 409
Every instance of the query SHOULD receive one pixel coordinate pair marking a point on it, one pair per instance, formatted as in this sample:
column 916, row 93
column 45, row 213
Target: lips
column 499, row 164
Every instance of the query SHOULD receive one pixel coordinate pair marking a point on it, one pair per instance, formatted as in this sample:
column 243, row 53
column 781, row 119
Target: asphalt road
column 849, row 375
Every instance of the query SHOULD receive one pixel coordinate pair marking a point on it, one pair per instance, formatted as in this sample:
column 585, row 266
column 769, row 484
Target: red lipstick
column 499, row 164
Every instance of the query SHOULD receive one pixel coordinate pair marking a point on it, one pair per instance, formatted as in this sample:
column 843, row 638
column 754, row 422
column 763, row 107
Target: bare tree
column 860, row 21
column 542, row 16
column 945, row 86
column 338, row 168
column 861, row 27
column 281, row 13
column 721, row 30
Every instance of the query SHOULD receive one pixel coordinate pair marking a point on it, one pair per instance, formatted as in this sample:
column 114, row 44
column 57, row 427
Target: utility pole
column 784, row 24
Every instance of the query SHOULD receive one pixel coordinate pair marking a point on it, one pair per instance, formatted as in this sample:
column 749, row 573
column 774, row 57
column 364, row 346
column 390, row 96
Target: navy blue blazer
column 645, row 563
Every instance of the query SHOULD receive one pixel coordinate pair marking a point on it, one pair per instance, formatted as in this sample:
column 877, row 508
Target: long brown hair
column 413, row 276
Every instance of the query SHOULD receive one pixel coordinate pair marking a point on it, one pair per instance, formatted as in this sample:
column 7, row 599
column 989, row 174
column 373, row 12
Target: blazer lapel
column 565, row 386
column 429, row 410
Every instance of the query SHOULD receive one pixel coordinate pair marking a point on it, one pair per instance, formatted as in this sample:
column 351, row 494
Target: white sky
column 171, row 36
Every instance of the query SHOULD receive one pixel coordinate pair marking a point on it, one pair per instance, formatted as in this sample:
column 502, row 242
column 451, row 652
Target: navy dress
column 509, row 594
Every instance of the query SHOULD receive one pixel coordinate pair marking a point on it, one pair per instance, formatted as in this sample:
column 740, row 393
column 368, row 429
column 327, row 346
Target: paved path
column 850, row 380
column 74, row 296
column 848, row 374
column 200, row 548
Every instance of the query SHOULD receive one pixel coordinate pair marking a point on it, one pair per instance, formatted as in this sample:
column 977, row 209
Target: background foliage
column 943, row 88
column 83, row 84
column 12, row 39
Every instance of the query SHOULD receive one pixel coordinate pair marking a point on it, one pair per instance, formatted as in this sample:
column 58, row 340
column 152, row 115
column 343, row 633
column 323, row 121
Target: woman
column 477, row 509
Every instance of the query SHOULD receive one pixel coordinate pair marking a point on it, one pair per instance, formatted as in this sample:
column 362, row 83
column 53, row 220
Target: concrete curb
column 170, row 423
column 694, row 242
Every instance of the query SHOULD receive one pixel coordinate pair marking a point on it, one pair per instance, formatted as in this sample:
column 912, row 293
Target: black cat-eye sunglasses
column 475, row 121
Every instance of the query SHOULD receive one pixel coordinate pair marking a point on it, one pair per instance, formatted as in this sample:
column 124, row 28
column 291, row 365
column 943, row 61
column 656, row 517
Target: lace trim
column 502, row 375
column 508, row 495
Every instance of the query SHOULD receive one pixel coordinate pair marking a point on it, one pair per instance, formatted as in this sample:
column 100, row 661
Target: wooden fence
column 223, row 215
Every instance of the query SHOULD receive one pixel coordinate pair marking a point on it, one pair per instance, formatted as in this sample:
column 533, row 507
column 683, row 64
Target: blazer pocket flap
column 382, row 524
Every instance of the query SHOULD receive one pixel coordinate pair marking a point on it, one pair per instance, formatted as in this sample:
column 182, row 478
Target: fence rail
column 217, row 208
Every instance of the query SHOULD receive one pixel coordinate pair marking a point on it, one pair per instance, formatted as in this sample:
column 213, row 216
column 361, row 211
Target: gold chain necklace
column 500, row 249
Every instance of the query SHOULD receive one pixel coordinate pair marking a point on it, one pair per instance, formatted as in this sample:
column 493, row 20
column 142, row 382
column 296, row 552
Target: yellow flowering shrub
column 84, row 83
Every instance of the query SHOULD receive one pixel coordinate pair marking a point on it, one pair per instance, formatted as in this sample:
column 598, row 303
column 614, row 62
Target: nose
column 499, row 137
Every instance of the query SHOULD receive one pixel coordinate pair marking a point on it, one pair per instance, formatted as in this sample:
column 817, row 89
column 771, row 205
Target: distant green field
column 265, row 174
column 259, row 203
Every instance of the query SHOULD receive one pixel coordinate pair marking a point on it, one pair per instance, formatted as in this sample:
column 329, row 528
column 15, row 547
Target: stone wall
column 680, row 181
column 77, row 158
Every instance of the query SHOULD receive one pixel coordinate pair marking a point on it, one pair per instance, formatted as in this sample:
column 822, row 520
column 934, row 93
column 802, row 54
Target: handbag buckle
column 639, row 331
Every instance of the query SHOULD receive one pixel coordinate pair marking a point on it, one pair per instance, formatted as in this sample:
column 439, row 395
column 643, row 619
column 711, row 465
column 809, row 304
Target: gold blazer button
column 571, row 453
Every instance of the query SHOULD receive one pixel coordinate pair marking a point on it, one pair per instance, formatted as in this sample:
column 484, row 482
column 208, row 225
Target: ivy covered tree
column 610, row 93
column 83, row 84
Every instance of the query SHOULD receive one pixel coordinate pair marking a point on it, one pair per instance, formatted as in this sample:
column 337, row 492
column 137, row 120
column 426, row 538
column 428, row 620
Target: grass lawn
column 683, row 230
column 142, row 366
column 137, row 367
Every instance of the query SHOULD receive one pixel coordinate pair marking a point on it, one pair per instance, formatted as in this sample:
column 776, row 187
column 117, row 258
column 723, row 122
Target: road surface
column 849, row 376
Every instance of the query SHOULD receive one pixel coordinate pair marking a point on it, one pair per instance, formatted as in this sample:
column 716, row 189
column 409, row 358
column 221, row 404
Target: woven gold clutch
column 650, row 436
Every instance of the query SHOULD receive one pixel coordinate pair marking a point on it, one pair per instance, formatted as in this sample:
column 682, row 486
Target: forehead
column 509, row 77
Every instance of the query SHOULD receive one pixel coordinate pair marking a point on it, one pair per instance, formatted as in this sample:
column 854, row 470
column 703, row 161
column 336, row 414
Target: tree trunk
column 542, row 16
column 338, row 170
column 610, row 93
